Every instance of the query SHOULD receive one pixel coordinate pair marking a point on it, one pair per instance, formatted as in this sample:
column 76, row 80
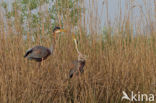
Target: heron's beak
column 62, row 30
column 59, row 31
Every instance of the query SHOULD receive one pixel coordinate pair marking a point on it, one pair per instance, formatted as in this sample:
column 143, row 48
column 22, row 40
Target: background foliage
column 119, row 58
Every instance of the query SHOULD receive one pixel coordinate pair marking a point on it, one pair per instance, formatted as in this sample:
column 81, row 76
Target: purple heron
column 40, row 53
column 78, row 65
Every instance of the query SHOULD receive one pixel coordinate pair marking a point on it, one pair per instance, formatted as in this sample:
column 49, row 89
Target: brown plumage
column 40, row 53
column 78, row 65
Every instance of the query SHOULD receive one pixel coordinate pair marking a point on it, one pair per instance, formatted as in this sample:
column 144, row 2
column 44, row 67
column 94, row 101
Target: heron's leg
column 42, row 62
column 39, row 64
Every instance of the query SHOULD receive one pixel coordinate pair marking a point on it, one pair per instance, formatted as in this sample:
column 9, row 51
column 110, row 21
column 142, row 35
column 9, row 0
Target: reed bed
column 117, row 60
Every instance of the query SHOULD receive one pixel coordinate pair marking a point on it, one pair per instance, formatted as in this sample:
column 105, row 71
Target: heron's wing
column 73, row 68
column 81, row 66
column 28, row 52
column 40, row 52
column 71, row 72
column 36, row 59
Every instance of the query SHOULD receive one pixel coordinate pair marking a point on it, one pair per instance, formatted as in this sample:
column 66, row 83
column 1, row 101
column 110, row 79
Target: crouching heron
column 78, row 65
column 40, row 53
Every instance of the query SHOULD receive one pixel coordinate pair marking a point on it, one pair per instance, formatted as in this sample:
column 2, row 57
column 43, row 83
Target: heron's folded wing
column 81, row 66
column 40, row 52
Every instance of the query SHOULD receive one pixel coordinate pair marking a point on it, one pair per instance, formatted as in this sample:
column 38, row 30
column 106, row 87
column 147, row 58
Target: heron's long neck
column 76, row 47
column 52, row 47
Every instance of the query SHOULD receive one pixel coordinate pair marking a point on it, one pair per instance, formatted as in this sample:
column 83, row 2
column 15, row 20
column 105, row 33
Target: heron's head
column 57, row 29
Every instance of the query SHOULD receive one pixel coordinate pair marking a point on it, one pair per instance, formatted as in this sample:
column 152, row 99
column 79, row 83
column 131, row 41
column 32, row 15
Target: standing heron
column 79, row 64
column 40, row 53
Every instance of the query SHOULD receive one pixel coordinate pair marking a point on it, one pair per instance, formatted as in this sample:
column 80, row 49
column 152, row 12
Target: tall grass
column 118, row 60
